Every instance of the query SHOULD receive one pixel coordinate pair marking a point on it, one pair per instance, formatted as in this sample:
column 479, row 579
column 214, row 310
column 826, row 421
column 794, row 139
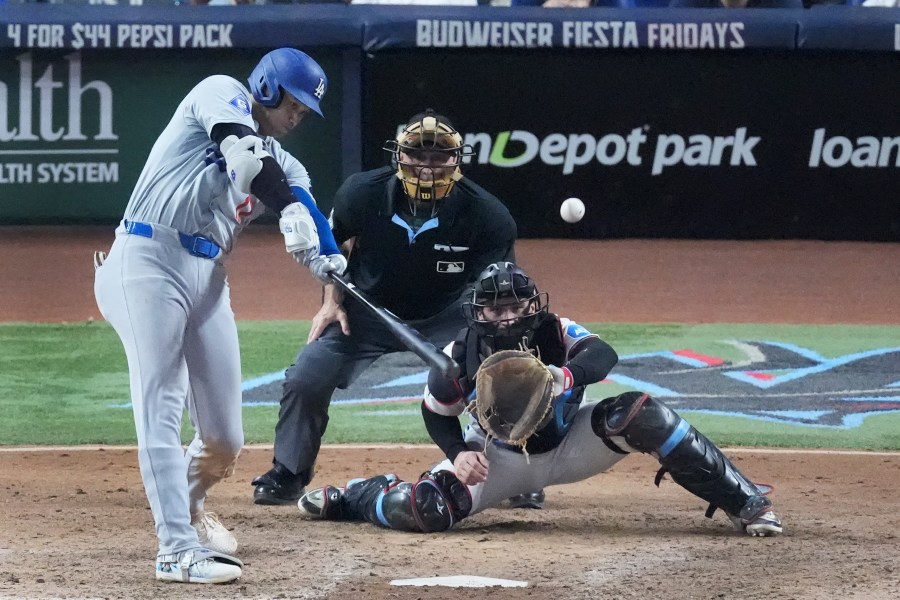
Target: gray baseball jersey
column 194, row 196
column 163, row 288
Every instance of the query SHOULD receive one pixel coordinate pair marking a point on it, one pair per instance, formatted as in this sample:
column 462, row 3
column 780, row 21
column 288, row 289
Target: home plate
column 471, row 581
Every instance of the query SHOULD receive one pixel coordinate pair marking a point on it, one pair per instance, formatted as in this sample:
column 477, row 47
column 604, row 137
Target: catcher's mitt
column 513, row 390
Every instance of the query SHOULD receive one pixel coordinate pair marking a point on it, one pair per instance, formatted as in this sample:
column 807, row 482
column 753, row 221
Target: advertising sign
column 76, row 126
column 761, row 144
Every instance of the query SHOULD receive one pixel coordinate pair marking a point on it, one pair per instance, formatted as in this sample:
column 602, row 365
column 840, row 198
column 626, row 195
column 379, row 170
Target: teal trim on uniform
column 674, row 439
column 379, row 510
column 411, row 235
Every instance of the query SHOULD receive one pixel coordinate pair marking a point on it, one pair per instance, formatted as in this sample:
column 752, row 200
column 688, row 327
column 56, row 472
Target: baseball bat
column 408, row 336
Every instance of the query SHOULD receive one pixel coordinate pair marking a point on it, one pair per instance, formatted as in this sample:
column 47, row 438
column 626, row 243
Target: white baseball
column 571, row 210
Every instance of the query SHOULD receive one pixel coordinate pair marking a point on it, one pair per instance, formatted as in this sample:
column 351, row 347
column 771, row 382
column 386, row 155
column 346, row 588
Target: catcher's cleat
column 322, row 503
column 199, row 565
column 278, row 487
column 530, row 500
column 757, row 518
column 213, row 535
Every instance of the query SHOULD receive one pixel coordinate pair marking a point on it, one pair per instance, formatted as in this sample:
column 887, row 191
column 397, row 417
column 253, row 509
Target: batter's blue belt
column 196, row 245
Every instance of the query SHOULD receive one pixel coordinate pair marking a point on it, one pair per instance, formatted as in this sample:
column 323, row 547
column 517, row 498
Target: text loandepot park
column 568, row 151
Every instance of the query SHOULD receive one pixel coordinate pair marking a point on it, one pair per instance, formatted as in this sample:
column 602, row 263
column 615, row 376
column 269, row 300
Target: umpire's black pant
column 335, row 361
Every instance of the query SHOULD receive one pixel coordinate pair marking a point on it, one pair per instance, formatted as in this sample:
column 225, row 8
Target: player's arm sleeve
column 445, row 431
column 445, row 400
column 270, row 185
column 220, row 131
column 590, row 360
column 445, row 396
column 327, row 244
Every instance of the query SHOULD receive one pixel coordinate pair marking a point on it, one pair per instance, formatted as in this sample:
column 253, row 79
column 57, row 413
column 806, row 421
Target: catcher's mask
column 505, row 307
column 427, row 154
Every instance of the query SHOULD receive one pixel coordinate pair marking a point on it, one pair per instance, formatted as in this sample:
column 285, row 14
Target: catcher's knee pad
column 434, row 503
column 637, row 421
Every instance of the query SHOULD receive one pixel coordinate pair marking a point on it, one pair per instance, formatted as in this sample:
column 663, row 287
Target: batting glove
column 301, row 239
column 562, row 380
column 243, row 160
column 321, row 266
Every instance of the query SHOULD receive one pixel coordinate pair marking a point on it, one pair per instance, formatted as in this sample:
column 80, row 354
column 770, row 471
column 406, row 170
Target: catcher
column 523, row 376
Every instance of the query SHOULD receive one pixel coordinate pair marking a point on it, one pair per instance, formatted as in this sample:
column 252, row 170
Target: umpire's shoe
column 278, row 486
column 529, row 500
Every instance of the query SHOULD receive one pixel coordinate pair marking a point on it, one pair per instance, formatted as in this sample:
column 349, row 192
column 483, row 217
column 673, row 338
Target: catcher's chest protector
column 547, row 344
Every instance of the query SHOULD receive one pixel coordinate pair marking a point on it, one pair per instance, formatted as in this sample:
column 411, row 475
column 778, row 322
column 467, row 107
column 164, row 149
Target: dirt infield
column 75, row 523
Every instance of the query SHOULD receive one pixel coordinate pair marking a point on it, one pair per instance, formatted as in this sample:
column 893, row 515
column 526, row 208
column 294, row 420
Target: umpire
column 417, row 234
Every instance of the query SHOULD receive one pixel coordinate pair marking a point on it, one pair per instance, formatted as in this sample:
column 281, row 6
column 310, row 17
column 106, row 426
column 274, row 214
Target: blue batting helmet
column 290, row 70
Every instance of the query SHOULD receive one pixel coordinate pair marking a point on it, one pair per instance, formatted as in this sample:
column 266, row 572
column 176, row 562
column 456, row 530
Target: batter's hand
column 321, row 266
column 471, row 467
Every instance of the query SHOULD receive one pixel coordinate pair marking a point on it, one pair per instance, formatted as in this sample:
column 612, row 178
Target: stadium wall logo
column 48, row 97
column 516, row 148
column 511, row 149
column 72, row 89
column 775, row 381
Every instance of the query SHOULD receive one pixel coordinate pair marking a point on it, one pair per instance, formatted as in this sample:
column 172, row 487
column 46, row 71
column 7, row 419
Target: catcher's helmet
column 291, row 70
column 505, row 306
column 427, row 153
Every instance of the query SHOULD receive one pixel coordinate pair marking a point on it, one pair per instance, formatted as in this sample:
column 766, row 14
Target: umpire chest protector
column 415, row 274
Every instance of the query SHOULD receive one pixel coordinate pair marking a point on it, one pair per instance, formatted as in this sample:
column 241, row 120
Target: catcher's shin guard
column 640, row 422
column 360, row 497
column 433, row 503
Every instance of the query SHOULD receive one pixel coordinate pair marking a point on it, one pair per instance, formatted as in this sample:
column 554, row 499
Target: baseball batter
column 215, row 167
column 574, row 440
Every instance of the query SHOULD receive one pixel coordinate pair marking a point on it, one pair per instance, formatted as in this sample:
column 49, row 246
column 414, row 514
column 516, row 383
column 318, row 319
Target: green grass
column 59, row 380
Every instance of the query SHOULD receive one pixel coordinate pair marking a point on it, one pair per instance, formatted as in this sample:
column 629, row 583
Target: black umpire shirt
column 417, row 276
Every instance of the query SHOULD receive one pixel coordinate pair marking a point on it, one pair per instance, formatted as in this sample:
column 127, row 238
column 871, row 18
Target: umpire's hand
column 330, row 312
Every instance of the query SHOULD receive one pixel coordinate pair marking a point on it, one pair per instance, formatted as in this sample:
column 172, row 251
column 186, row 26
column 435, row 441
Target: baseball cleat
column 277, row 486
column 99, row 259
column 321, row 503
column 213, row 535
column 529, row 500
column 199, row 565
column 757, row 518
column 765, row 525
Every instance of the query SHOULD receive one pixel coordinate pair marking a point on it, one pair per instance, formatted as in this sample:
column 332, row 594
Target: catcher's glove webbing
column 513, row 393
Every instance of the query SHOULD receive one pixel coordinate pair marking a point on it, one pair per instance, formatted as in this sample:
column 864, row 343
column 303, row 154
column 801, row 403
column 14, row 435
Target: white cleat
column 213, row 535
column 765, row 525
column 198, row 566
